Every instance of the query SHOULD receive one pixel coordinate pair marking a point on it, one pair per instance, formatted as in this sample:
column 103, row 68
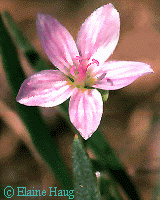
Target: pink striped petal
column 46, row 88
column 99, row 33
column 57, row 42
column 120, row 74
column 85, row 111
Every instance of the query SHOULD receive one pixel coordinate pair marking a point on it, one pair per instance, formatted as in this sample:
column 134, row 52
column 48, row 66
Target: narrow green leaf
column 108, row 160
column 107, row 182
column 85, row 184
column 30, row 115
column 156, row 191
column 108, row 188
column 102, row 149
column 29, row 51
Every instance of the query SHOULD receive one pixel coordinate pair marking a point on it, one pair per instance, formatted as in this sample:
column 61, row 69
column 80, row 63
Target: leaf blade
column 84, row 180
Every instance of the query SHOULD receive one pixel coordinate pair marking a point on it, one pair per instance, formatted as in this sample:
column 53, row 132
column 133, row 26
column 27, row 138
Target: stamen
column 110, row 81
column 95, row 61
column 79, row 73
column 78, row 58
column 102, row 76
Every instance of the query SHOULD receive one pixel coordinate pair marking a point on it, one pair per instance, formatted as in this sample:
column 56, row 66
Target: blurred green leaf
column 107, row 188
column 84, row 179
column 156, row 191
column 45, row 145
column 108, row 160
column 102, row 149
column 29, row 51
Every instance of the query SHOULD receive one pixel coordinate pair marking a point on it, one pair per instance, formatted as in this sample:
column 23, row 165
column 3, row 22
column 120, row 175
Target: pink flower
column 82, row 68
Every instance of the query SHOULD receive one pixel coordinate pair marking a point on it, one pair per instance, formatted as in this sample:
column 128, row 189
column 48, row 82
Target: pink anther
column 78, row 58
column 95, row 61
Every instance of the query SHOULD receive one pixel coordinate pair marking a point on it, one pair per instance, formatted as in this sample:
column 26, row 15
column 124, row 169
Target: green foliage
column 85, row 185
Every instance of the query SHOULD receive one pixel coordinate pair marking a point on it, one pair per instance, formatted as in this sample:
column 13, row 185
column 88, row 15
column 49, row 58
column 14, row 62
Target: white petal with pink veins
column 46, row 88
column 85, row 111
column 119, row 74
column 99, row 34
column 57, row 42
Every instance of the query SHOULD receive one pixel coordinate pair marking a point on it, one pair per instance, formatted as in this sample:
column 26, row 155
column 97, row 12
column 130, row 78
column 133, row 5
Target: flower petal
column 85, row 111
column 118, row 74
column 46, row 88
column 99, row 33
column 57, row 42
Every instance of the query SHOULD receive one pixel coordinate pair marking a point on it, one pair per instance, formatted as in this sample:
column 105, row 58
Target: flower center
column 80, row 73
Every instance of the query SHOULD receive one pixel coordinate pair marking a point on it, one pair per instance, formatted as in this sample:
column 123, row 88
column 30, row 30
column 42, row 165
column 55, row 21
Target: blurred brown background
column 128, row 113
